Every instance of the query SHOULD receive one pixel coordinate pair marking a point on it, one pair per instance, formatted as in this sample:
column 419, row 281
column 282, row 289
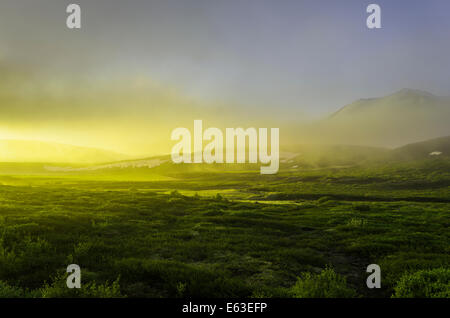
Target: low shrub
column 432, row 283
column 327, row 284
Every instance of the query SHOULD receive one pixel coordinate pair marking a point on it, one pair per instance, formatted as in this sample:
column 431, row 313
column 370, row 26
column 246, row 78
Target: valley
column 200, row 230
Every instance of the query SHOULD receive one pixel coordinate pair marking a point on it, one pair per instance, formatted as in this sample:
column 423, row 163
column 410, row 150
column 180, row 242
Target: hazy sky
column 284, row 58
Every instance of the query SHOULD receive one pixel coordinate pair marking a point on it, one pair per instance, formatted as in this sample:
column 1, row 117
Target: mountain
column 405, row 100
column 39, row 151
column 401, row 118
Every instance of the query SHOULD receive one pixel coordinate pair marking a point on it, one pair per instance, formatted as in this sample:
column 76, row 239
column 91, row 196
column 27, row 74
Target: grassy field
column 216, row 233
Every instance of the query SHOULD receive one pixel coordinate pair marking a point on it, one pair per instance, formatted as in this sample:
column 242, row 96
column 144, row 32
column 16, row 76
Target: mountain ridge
column 403, row 117
column 402, row 93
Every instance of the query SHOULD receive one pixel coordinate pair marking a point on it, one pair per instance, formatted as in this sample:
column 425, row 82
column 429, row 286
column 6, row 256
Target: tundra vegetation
column 210, row 231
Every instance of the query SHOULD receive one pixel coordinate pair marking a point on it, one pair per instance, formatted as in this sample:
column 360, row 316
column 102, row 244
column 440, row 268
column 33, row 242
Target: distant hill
column 399, row 103
column 319, row 156
column 434, row 148
column 38, row 151
column 401, row 118
column 295, row 158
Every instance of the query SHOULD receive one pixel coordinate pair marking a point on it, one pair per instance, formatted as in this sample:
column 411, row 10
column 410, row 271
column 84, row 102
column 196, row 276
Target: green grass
column 220, row 234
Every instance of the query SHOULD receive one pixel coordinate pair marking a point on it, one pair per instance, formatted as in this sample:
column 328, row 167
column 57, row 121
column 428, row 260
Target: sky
column 137, row 69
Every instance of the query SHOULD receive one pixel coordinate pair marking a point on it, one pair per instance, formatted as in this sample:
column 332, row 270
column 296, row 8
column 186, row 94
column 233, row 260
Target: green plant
column 434, row 283
column 327, row 284
column 59, row 289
